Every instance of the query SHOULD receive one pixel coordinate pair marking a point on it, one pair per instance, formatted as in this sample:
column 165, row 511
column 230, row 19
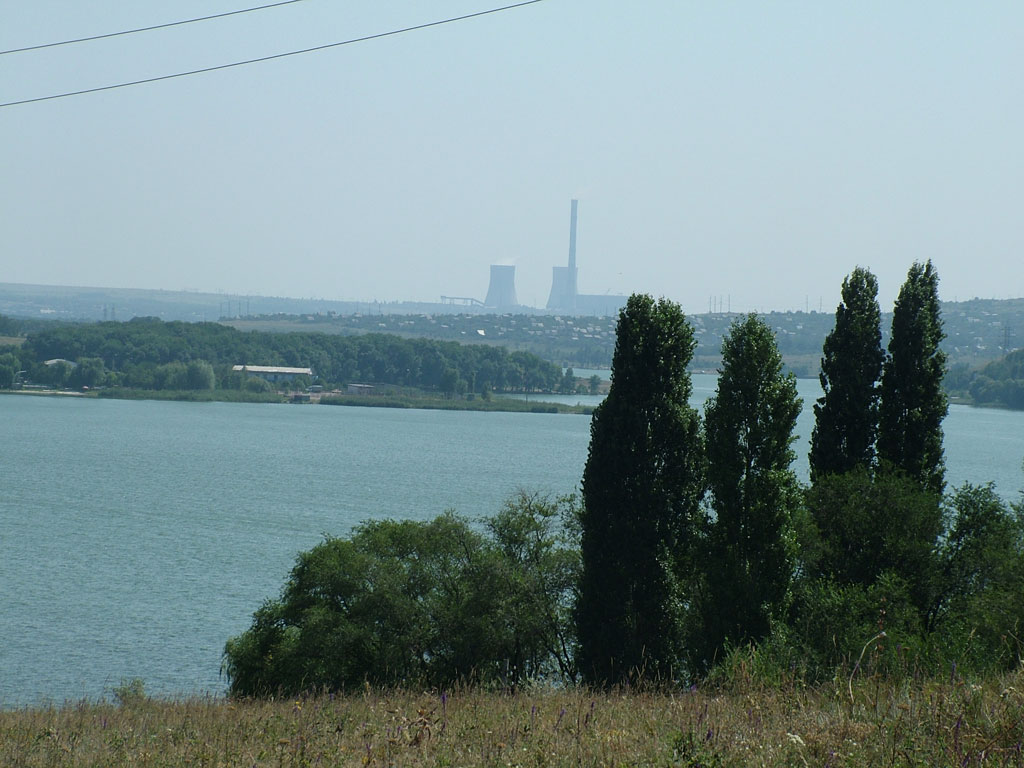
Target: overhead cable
column 147, row 29
column 272, row 57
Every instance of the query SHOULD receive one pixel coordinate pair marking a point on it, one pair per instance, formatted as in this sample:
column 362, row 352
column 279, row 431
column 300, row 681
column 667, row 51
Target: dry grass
column 886, row 724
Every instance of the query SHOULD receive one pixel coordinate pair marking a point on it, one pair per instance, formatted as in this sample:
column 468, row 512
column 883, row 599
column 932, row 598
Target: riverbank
column 495, row 404
column 405, row 400
column 871, row 722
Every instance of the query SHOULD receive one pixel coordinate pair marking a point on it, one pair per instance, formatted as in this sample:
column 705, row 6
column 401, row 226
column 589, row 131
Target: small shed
column 274, row 373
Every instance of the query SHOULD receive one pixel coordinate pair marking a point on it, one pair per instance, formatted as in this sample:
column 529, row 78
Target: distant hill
column 978, row 331
column 975, row 332
column 90, row 304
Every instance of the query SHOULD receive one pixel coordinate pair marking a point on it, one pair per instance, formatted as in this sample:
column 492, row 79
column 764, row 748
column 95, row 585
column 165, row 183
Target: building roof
column 273, row 369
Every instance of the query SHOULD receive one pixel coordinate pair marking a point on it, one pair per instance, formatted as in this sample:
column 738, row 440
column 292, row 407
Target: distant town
column 977, row 331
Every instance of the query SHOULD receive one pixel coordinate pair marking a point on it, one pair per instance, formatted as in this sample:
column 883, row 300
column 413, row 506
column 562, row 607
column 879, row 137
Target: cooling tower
column 501, row 293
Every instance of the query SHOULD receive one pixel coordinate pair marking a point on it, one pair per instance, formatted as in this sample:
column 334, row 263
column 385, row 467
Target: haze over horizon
column 755, row 154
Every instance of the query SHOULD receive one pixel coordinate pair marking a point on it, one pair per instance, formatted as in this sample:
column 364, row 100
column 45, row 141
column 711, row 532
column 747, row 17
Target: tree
column 90, row 372
column 749, row 432
column 876, row 523
column 418, row 603
column 642, row 486
column 567, row 385
column 979, row 599
column 449, row 382
column 913, row 404
column 199, row 375
column 9, row 367
column 846, row 416
column 538, row 563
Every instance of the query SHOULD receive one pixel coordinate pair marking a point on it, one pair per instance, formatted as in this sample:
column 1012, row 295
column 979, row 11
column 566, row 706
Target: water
column 981, row 444
column 136, row 537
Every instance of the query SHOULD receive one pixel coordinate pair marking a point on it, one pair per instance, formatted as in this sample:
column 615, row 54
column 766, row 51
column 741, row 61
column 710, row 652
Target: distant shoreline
column 495, row 405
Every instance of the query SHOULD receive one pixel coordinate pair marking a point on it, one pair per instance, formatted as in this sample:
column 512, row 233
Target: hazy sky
column 756, row 151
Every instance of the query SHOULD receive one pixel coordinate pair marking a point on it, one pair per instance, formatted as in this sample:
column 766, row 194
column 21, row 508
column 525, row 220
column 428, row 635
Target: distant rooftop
column 273, row 369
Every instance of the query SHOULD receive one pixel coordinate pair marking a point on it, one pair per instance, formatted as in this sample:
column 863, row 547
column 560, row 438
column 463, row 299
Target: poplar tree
column 642, row 488
column 749, row 433
column 913, row 404
column 846, row 416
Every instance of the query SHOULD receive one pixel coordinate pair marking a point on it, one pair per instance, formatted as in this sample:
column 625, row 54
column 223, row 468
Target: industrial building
column 565, row 296
column 273, row 373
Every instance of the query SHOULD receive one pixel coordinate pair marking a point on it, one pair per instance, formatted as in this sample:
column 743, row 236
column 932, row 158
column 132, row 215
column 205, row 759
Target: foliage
column 945, row 582
column 567, row 385
column 846, row 416
column 642, row 486
column 131, row 692
column 90, row 372
column 871, row 524
column 978, row 608
column 191, row 395
column 8, row 369
column 1001, row 382
column 139, row 349
column 749, row 431
column 913, row 404
column 421, row 603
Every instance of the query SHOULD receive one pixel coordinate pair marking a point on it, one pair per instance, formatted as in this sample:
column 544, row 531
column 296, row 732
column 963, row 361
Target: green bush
column 130, row 692
column 417, row 603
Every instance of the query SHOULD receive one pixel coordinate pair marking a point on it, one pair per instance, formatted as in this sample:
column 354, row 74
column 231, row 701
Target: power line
column 147, row 29
column 272, row 57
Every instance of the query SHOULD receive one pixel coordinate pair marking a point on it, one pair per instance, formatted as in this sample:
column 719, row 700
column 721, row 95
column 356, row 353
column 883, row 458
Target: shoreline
column 497, row 404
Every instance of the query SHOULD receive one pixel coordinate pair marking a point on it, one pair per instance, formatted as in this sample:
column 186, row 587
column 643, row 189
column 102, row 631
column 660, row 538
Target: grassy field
column 869, row 723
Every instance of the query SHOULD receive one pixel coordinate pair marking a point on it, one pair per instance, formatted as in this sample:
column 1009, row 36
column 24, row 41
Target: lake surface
column 136, row 537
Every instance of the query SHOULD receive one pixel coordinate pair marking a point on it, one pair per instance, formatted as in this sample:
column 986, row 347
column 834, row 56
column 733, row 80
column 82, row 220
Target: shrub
column 417, row 603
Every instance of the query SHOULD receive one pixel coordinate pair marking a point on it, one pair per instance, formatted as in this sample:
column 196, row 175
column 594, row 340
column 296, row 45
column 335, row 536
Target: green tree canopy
column 875, row 523
column 141, row 346
column 913, row 404
column 979, row 602
column 846, row 416
column 749, row 432
column 418, row 603
column 642, row 487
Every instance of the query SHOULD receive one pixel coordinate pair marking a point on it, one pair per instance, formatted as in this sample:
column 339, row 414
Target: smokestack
column 572, row 287
column 564, row 287
column 572, row 234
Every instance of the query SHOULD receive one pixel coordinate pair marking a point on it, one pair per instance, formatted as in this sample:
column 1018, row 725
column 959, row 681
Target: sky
column 739, row 155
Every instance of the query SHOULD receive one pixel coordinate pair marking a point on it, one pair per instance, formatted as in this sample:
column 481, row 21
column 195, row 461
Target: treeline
column 146, row 353
column 694, row 548
column 999, row 383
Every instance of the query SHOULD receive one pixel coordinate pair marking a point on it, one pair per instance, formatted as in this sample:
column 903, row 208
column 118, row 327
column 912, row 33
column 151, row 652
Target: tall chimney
column 572, row 249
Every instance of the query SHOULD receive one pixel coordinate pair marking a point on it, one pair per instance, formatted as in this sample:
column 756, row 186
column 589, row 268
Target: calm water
column 136, row 537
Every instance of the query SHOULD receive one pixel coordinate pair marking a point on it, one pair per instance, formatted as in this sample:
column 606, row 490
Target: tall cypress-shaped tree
column 912, row 404
column 749, row 432
column 846, row 417
column 642, row 488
